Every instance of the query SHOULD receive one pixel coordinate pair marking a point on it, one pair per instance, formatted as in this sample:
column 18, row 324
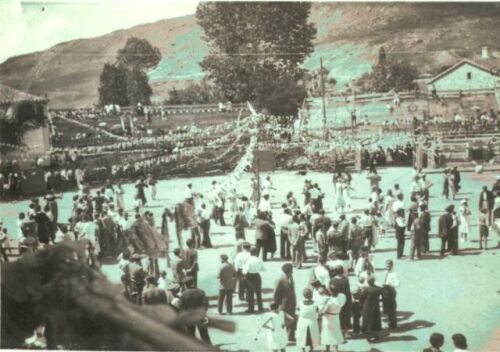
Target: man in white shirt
column 391, row 282
column 251, row 269
column 286, row 220
column 239, row 262
column 265, row 206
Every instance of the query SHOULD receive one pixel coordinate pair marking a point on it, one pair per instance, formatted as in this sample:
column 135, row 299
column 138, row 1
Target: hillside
column 349, row 36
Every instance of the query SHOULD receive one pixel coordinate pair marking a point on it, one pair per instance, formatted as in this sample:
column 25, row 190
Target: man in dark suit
column 284, row 296
column 227, row 282
column 239, row 224
column 262, row 233
column 153, row 295
column 191, row 261
column 486, row 202
column 370, row 300
column 445, row 225
column 193, row 299
column 425, row 227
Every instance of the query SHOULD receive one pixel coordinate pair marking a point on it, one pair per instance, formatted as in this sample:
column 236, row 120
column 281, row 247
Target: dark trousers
column 242, row 285
column 225, row 295
column 284, row 246
column 356, row 317
column 425, row 241
column 259, row 244
column 390, row 306
column 219, row 216
column 205, row 229
column 444, row 242
column 254, row 287
column 195, row 237
column 202, row 330
column 400, row 237
column 453, row 241
column 416, row 244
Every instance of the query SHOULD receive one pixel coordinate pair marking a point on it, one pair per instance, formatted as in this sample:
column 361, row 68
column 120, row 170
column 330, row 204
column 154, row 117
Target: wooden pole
column 325, row 132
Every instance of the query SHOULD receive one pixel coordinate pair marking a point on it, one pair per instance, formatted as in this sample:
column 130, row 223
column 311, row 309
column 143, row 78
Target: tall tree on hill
column 113, row 86
column 254, row 47
column 126, row 82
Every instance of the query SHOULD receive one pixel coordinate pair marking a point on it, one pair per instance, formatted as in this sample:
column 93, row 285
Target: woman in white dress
column 307, row 333
column 340, row 201
column 465, row 214
column 331, row 334
column 277, row 336
column 120, row 193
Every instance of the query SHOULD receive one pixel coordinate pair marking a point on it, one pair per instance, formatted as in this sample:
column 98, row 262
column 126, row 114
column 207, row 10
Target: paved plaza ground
column 450, row 295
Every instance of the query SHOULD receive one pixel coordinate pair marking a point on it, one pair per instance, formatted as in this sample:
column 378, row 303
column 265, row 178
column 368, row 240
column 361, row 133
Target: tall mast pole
column 325, row 131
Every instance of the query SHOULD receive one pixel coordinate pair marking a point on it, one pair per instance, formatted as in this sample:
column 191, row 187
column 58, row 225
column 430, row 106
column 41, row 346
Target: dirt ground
column 450, row 295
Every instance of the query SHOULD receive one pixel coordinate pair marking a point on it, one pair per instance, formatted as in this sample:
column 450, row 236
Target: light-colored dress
column 340, row 200
column 331, row 334
column 307, row 319
column 464, row 220
column 277, row 339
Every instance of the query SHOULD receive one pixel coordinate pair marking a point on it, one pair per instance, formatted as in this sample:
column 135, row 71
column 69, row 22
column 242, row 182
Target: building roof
column 487, row 66
column 10, row 95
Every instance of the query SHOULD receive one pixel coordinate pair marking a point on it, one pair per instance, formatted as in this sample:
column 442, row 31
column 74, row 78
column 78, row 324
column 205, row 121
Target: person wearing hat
column 445, row 226
column 192, row 299
column 240, row 223
column 284, row 296
column 152, row 294
column 227, row 283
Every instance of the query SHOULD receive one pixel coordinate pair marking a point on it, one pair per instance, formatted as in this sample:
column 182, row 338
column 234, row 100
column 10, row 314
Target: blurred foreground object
column 81, row 309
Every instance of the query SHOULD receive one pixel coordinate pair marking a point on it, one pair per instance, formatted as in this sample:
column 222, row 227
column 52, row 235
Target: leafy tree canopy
column 248, row 40
column 138, row 54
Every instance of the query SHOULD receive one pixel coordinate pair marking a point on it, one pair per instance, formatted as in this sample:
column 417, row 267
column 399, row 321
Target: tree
column 268, row 40
column 126, row 81
column 138, row 54
column 138, row 89
column 113, row 86
column 389, row 74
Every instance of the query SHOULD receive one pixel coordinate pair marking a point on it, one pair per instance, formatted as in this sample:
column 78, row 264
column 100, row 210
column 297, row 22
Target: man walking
column 285, row 298
column 227, row 282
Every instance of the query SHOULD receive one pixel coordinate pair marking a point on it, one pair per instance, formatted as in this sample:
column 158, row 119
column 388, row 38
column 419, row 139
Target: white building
column 467, row 76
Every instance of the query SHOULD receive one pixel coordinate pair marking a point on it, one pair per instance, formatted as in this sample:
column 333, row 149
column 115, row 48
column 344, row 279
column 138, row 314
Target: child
column 483, row 229
column 307, row 334
column 277, row 337
column 436, row 340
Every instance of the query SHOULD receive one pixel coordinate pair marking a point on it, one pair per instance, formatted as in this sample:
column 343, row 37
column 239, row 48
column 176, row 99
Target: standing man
column 227, row 283
column 263, row 229
column 285, row 298
column 239, row 224
column 239, row 263
column 400, row 227
column 486, row 202
column 287, row 219
column 445, row 224
column 191, row 262
column 425, row 227
column 391, row 282
column 204, row 222
column 193, row 299
column 370, row 300
column 251, row 269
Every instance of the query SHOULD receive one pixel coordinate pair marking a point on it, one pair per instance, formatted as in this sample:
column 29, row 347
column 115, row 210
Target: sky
column 28, row 26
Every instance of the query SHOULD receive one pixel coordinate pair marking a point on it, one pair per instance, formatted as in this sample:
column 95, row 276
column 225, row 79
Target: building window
column 469, row 75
